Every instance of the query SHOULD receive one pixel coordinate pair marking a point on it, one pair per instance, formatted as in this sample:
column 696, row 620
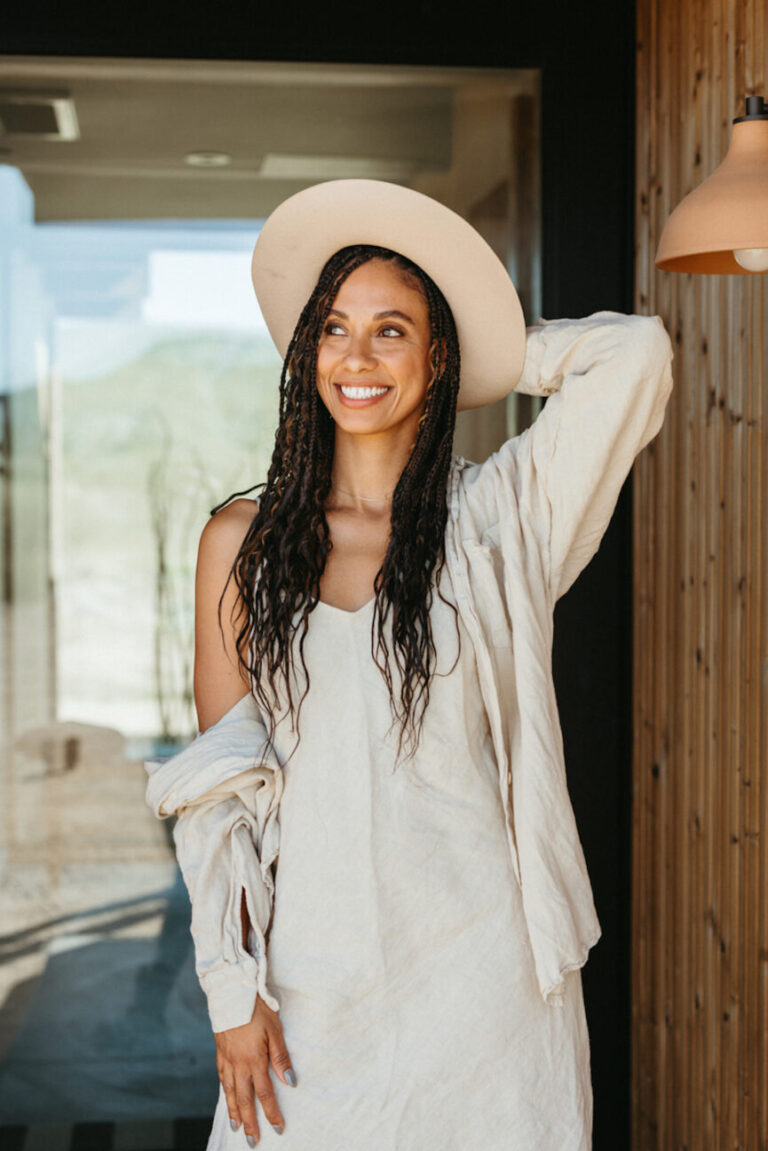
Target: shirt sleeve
column 224, row 790
column 608, row 378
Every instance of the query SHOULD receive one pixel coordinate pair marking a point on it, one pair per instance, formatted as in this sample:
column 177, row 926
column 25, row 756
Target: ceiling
column 272, row 129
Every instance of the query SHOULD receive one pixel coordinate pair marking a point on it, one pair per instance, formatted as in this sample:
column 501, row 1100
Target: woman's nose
column 359, row 353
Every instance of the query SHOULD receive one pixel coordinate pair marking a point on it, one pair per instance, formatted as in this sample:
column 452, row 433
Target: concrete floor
column 102, row 1016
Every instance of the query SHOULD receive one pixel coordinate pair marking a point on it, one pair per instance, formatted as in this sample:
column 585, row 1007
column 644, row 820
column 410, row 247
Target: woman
column 373, row 642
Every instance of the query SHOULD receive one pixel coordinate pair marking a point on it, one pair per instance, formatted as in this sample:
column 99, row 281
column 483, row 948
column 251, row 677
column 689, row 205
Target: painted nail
column 250, row 1140
column 278, row 1128
column 234, row 1124
column 290, row 1077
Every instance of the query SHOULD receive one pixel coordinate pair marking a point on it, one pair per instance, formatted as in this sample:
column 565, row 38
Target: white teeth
column 361, row 393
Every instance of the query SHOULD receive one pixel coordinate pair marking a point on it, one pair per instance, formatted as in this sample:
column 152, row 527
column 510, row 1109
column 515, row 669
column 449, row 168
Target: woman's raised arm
column 608, row 378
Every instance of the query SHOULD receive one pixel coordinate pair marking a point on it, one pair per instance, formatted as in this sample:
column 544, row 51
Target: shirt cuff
column 231, row 993
column 533, row 381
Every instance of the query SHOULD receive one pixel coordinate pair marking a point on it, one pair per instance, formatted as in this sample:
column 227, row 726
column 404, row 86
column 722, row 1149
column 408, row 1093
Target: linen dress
column 398, row 949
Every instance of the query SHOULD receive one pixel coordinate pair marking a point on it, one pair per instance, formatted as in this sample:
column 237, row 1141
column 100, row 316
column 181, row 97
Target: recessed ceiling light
column 207, row 159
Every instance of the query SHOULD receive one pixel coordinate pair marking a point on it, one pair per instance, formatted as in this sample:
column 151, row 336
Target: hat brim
column 305, row 230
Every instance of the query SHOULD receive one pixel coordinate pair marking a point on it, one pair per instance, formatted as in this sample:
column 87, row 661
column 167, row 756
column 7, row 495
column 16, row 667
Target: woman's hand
column 243, row 1056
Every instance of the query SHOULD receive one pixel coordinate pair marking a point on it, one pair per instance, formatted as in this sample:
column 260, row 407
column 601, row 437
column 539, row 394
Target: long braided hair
column 278, row 567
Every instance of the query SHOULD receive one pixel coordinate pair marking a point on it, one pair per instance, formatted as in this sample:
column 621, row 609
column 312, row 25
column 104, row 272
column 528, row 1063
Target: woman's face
column 373, row 356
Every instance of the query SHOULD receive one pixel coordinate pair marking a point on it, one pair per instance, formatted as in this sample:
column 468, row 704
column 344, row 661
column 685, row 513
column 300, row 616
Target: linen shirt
column 521, row 527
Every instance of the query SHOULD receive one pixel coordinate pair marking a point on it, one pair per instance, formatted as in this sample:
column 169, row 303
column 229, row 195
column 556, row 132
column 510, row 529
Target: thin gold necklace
column 366, row 499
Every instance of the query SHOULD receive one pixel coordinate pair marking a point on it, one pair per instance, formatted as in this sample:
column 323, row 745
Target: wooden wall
column 700, row 785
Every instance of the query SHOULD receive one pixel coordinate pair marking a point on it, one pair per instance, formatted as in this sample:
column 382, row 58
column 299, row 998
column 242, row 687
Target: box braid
column 278, row 567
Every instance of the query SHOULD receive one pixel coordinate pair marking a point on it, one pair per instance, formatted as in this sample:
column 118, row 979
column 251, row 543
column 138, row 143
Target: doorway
column 140, row 392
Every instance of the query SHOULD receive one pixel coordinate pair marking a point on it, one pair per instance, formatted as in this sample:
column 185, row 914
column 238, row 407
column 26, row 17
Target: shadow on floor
column 114, row 1031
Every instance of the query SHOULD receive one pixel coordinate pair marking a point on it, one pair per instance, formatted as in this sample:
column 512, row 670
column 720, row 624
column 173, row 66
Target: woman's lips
column 367, row 394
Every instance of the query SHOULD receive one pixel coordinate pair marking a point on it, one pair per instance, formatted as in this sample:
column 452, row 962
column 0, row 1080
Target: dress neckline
column 343, row 611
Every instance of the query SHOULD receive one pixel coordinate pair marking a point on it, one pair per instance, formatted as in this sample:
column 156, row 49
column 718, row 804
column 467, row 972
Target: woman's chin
column 361, row 423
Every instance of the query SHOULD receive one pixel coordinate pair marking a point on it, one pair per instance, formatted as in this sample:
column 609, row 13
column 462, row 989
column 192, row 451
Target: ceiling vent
column 38, row 115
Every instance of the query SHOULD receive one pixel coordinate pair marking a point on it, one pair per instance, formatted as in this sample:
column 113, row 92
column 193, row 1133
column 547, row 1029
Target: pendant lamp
column 721, row 227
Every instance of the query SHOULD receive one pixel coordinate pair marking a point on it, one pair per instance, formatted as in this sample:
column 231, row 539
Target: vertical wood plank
column 700, row 792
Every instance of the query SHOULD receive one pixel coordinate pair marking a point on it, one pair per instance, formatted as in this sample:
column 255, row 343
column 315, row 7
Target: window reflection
column 141, row 390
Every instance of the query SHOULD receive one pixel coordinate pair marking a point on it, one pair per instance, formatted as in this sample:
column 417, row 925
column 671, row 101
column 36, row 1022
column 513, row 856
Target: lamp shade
column 729, row 211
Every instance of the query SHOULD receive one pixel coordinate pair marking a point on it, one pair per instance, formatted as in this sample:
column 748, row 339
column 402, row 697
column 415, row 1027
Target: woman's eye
column 391, row 331
column 332, row 329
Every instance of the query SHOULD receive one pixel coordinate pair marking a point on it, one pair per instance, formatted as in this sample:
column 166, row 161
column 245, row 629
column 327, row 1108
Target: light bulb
column 752, row 259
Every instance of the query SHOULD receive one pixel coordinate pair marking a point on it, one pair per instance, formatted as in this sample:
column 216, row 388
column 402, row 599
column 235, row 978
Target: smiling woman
column 376, row 343
column 431, row 909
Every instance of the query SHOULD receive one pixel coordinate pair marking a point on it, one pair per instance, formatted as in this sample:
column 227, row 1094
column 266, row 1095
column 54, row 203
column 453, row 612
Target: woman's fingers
column 246, row 1106
column 279, row 1057
column 265, row 1093
column 227, row 1079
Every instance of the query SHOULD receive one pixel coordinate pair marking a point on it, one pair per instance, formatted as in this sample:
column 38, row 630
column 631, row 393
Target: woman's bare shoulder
column 225, row 531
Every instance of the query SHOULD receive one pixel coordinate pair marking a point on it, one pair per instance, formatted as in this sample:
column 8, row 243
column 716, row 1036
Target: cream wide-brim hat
column 305, row 230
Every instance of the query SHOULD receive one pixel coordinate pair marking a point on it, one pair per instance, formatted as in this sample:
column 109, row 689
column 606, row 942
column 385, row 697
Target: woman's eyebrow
column 389, row 312
column 393, row 312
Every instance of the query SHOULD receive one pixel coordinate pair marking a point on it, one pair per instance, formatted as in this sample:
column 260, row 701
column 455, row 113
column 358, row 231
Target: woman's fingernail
column 234, row 1124
column 278, row 1128
column 250, row 1140
column 290, row 1077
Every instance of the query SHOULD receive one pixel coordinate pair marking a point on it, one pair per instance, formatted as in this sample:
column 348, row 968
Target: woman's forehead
column 378, row 282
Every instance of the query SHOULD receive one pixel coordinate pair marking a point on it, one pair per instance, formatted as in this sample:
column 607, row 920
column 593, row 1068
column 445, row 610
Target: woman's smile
column 361, row 395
